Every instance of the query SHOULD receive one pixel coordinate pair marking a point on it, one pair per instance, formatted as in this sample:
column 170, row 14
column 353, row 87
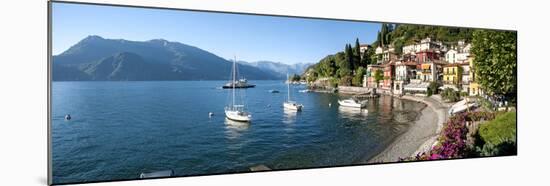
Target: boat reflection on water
column 289, row 116
column 352, row 113
column 235, row 129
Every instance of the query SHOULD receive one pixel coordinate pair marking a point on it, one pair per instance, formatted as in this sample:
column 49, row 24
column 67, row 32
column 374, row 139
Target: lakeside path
column 421, row 136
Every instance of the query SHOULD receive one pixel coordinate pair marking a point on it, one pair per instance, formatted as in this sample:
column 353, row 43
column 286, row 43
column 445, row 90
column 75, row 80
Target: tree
column 378, row 41
column 495, row 62
column 312, row 76
column 450, row 95
column 345, row 81
column 357, row 54
column 358, row 78
column 432, row 88
column 365, row 60
column 348, row 63
column 378, row 76
column 295, row 78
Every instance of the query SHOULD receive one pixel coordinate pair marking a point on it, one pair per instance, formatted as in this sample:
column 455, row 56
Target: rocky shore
column 421, row 136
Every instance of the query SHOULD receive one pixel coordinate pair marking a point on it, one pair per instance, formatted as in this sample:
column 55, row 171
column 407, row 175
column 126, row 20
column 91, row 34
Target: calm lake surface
column 121, row 129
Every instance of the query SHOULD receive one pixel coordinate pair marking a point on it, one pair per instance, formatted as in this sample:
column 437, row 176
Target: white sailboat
column 236, row 112
column 291, row 105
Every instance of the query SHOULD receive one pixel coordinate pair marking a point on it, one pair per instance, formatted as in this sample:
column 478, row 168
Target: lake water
column 121, row 129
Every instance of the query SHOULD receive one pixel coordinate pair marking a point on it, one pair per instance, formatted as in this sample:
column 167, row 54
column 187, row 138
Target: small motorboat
column 274, row 91
column 158, row 174
column 68, row 117
column 462, row 106
column 304, row 91
column 352, row 103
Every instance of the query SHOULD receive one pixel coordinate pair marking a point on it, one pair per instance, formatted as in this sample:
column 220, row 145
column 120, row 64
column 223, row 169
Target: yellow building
column 452, row 74
column 474, row 88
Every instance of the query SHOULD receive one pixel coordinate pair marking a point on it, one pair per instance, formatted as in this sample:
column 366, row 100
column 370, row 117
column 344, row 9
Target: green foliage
column 346, row 80
column 432, row 88
column 410, row 34
column 295, row 77
column 498, row 136
column 378, row 76
column 450, row 95
column 499, row 130
column 356, row 54
column 348, row 63
column 495, row 62
column 312, row 76
column 358, row 78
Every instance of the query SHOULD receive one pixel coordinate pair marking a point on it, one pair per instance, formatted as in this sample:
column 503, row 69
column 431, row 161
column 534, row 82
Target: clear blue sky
column 249, row 37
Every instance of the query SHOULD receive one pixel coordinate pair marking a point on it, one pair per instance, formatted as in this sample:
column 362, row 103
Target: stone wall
column 353, row 90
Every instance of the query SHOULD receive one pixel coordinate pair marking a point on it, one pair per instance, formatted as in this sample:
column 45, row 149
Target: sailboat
column 291, row 105
column 236, row 112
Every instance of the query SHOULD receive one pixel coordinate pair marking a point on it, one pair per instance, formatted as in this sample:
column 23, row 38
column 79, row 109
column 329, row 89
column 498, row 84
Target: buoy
column 329, row 104
column 68, row 117
column 210, row 114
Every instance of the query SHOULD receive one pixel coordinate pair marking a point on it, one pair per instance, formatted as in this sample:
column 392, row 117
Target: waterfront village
column 420, row 64
column 429, row 71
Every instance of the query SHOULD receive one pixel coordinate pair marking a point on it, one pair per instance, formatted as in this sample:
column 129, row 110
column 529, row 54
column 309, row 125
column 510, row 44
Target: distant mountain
column 95, row 58
column 278, row 68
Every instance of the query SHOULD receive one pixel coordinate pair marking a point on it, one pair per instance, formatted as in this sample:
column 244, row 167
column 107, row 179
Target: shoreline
column 421, row 135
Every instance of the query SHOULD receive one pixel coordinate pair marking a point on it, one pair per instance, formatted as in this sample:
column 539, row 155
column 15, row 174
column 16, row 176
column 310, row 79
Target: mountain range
column 278, row 68
column 98, row 59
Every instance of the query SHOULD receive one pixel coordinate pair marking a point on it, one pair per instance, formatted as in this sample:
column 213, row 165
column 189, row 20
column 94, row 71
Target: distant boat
column 241, row 83
column 291, row 105
column 351, row 103
column 68, row 117
column 304, row 91
column 236, row 112
column 274, row 91
column 158, row 174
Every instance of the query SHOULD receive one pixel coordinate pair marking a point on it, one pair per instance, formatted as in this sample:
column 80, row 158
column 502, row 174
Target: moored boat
column 241, row 83
column 236, row 112
column 352, row 103
column 291, row 105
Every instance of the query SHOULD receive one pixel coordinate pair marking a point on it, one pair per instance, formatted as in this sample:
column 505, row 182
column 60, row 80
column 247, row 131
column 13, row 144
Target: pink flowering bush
column 452, row 140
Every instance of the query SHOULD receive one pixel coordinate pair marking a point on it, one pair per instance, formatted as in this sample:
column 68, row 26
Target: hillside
column 96, row 58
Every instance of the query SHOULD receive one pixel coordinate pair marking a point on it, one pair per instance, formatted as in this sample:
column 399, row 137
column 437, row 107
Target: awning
column 421, row 87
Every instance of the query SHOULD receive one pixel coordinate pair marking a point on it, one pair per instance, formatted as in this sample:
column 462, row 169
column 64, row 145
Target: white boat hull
column 292, row 106
column 238, row 116
column 350, row 104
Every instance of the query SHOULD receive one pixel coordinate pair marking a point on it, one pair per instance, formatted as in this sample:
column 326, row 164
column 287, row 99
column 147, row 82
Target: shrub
column 450, row 95
column 345, row 81
column 452, row 140
column 498, row 137
column 432, row 88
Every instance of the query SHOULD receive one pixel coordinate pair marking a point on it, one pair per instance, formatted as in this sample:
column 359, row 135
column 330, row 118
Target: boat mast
column 234, row 72
column 288, row 85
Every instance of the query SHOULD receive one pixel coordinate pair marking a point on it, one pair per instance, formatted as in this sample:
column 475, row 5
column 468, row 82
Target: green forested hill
column 405, row 34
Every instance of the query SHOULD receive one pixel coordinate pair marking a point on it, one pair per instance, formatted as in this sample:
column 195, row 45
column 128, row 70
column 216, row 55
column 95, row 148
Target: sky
column 248, row 37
